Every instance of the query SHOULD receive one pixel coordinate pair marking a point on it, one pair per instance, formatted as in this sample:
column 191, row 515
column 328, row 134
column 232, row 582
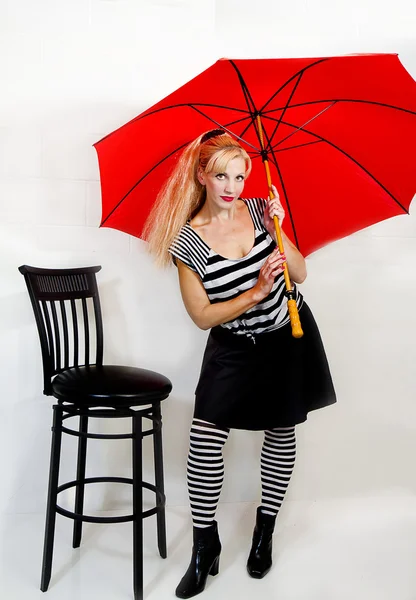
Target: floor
column 360, row 549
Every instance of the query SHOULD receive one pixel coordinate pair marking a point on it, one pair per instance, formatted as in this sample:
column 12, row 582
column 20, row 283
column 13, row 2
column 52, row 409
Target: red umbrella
column 339, row 134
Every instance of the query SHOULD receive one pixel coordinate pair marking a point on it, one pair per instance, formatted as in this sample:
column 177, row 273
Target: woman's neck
column 210, row 213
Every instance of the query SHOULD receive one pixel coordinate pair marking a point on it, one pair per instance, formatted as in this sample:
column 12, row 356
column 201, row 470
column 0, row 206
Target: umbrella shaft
column 281, row 248
column 275, row 219
column 277, row 228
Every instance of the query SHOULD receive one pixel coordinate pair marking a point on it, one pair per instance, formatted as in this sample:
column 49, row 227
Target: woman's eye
column 240, row 177
column 220, row 176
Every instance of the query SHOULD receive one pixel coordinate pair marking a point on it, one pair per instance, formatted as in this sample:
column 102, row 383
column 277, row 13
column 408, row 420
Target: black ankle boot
column 204, row 561
column 260, row 559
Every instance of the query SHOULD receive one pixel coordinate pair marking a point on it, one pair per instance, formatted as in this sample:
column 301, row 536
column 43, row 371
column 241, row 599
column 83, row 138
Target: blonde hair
column 182, row 195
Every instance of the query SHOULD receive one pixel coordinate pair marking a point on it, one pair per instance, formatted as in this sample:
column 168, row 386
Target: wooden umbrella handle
column 291, row 303
column 297, row 331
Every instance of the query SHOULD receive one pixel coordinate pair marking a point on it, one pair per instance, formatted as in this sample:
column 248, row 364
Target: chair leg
column 159, row 481
column 79, row 495
column 52, row 497
column 137, row 508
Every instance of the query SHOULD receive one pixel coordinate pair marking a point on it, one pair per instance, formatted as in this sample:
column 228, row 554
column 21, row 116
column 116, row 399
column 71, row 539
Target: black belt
column 241, row 340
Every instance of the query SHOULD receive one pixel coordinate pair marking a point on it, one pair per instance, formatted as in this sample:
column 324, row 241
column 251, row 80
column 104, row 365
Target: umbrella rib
column 190, row 105
column 254, row 156
column 141, row 179
column 352, row 100
column 302, row 126
column 252, row 122
column 285, row 109
column 252, row 109
column 225, row 127
column 239, row 121
column 321, row 138
column 249, row 100
column 300, row 72
column 297, row 146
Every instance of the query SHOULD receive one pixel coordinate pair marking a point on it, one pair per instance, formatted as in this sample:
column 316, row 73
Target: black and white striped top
column 226, row 278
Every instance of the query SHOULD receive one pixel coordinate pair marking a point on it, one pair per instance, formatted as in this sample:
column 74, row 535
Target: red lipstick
column 227, row 198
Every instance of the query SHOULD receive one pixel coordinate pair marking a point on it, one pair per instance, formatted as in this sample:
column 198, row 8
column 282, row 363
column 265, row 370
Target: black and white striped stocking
column 205, row 471
column 277, row 461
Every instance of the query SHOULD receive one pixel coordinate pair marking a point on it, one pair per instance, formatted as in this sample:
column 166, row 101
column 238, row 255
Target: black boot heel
column 260, row 559
column 215, row 567
column 205, row 561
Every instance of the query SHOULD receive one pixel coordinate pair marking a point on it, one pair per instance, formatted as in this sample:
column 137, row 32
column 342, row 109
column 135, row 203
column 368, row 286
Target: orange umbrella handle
column 291, row 303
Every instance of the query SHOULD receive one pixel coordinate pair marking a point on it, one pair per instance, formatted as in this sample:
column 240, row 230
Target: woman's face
column 225, row 187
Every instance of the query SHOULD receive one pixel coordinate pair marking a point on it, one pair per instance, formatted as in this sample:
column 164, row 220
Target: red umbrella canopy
column 340, row 135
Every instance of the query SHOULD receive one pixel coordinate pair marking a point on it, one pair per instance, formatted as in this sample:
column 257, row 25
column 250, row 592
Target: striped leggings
column 205, row 472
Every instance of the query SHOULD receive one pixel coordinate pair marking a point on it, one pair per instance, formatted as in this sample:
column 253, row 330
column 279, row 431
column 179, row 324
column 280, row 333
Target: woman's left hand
column 274, row 208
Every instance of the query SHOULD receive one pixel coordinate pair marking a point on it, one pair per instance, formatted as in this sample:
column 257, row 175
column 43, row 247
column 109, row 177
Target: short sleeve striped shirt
column 225, row 278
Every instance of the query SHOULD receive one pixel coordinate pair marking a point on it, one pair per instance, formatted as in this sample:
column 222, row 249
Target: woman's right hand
column 273, row 265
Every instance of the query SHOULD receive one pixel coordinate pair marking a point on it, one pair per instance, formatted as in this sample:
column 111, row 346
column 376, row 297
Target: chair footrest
column 160, row 500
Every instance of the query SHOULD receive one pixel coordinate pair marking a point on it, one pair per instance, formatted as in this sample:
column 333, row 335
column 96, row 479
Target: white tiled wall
column 72, row 71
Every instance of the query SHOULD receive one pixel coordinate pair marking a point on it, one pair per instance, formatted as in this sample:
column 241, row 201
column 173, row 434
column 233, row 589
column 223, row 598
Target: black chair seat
column 110, row 385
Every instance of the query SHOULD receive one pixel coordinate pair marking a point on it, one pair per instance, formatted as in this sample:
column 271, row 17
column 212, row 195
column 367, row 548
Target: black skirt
column 273, row 381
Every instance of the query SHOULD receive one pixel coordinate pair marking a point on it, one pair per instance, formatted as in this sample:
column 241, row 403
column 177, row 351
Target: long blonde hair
column 182, row 195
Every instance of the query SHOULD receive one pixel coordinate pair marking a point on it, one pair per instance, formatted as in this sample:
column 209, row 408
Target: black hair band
column 211, row 134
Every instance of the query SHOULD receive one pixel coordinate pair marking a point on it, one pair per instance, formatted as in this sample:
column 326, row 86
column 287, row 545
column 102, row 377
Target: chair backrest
column 68, row 316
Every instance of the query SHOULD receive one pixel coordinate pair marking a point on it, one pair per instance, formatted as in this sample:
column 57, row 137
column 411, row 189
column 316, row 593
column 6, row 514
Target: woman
column 254, row 374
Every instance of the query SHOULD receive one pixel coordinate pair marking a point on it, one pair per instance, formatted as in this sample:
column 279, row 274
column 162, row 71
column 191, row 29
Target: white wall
column 72, row 71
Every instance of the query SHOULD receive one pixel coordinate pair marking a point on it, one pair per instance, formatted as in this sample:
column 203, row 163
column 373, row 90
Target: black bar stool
column 68, row 316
